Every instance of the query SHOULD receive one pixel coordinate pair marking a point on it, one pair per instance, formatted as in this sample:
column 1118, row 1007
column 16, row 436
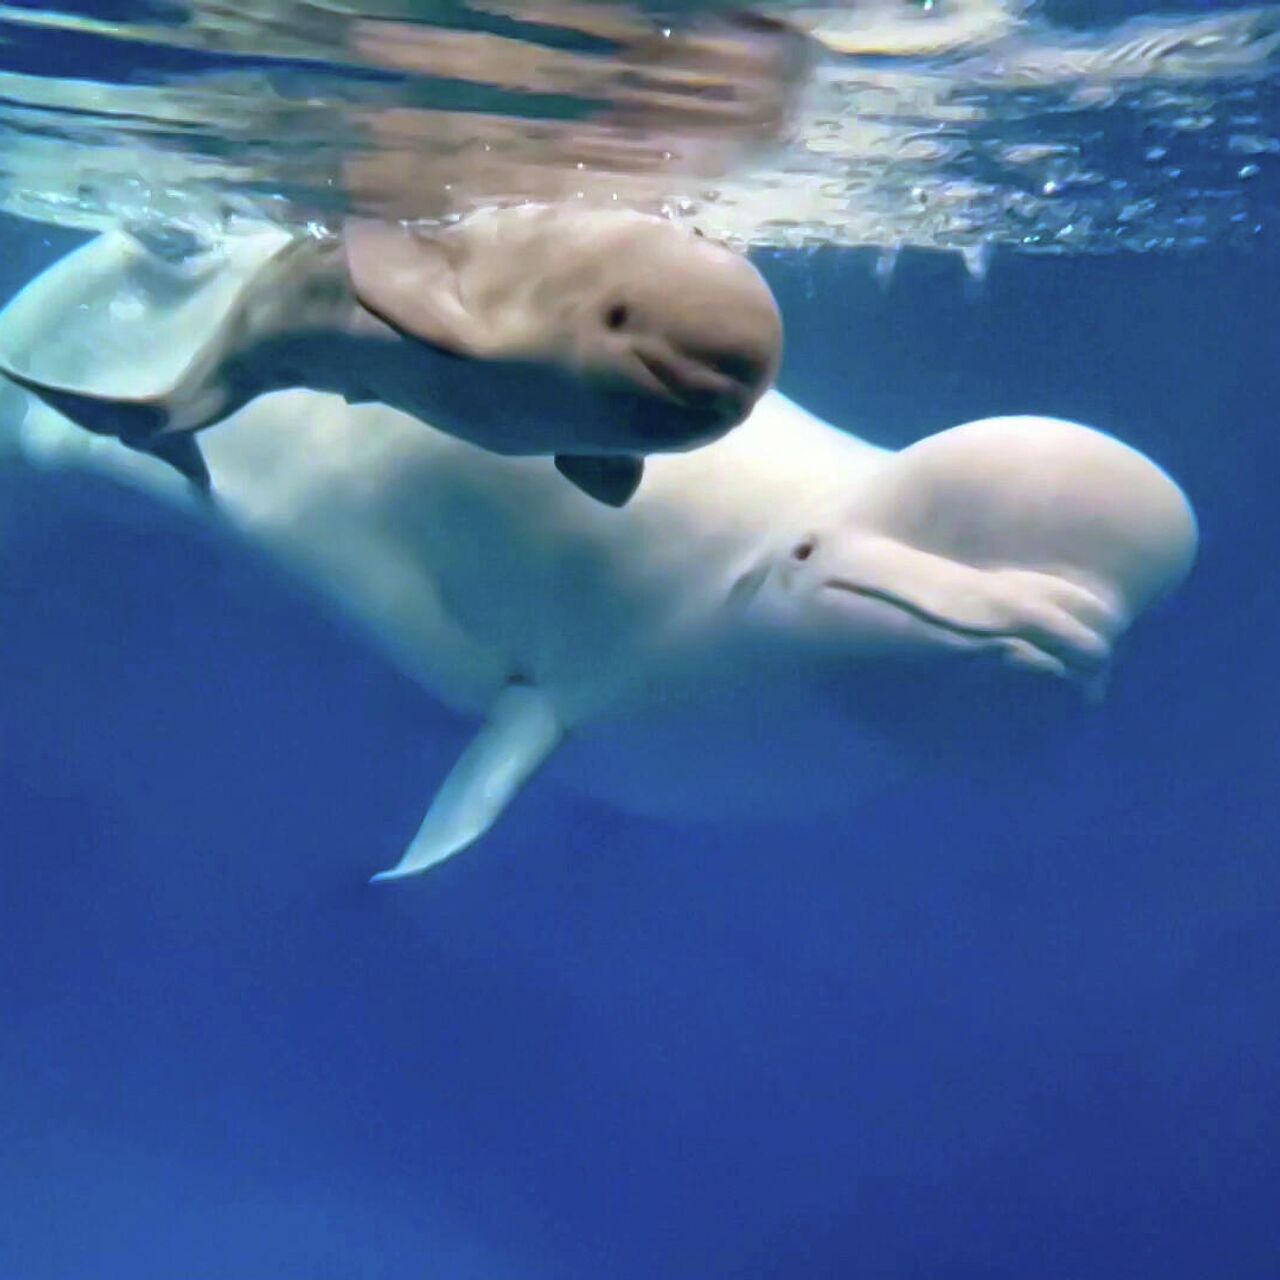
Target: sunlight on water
column 949, row 123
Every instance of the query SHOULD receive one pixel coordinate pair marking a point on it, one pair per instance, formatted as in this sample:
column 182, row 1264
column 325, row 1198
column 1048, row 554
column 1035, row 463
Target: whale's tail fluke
column 34, row 433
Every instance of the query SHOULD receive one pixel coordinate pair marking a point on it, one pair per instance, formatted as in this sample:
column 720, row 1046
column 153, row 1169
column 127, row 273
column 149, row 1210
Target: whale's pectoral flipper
column 611, row 479
column 128, row 420
column 138, row 424
column 183, row 454
column 521, row 732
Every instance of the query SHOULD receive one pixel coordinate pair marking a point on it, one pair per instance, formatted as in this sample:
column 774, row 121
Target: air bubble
column 886, row 264
column 977, row 260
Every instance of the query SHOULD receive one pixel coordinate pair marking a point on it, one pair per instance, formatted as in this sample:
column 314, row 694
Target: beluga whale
column 780, row 622
column 594, row 335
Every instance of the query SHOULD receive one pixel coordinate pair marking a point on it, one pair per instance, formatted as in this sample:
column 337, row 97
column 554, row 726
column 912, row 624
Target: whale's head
column 990, row 569
column 680, row 332
column 591, row 331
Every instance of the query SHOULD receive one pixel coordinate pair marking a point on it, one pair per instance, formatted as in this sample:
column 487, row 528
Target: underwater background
column 968, row 1031
column 1023, row 1028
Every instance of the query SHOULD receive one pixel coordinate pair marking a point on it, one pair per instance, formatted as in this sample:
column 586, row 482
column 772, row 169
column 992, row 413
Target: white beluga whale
column 784, row 620
column 594, row 335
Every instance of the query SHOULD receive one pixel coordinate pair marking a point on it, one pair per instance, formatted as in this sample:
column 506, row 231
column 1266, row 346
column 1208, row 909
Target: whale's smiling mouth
column 1029, row 634
column 918, row 612
column 697, row 386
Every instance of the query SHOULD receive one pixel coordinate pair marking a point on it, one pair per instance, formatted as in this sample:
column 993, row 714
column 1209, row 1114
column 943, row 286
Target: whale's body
column 742, row 637
column 471, row 570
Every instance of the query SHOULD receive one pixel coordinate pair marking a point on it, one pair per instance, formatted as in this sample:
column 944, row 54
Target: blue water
column 964, row 1033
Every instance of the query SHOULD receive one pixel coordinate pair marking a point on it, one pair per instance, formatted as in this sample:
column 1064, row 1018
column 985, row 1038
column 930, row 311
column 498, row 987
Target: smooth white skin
column 702, row 661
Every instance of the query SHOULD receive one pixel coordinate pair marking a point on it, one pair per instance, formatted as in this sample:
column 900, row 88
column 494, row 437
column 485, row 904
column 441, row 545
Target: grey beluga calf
column 594, row 335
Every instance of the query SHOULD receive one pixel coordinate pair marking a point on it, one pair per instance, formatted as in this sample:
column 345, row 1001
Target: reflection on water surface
column 950, row 123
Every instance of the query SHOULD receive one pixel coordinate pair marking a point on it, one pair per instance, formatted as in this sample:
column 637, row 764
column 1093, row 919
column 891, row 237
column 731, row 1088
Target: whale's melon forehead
column 551, row 244
column 554, row 259
column 1040, row 491
column 586, row 229
column 599, row 280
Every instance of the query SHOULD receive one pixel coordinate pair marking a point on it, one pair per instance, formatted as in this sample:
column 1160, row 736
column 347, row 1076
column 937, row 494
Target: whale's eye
column 803, row 550
column 617, row 315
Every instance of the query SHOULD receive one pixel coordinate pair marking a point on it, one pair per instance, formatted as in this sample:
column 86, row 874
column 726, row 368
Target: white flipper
column 521, row 732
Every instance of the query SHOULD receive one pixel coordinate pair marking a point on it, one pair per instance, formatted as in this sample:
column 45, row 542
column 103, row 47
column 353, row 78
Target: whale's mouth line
column 651, row 375
column 918, row 612
column 696, row 387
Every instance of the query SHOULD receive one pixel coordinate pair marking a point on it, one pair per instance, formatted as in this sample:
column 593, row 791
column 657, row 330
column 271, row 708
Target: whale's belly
column 321, row 487
column 471, row 569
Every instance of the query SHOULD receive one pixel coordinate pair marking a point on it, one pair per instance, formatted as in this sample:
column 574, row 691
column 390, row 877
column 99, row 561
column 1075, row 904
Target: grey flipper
column 611, row 479
column 183, row 454
column 137, row 425
column 521, row 732
column 127, row 420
